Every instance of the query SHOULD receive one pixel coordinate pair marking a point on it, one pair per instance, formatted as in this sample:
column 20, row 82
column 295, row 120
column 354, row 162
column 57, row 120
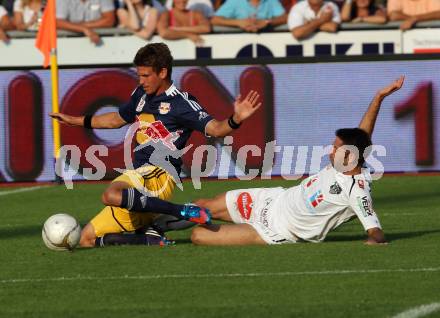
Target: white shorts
column 255, row 207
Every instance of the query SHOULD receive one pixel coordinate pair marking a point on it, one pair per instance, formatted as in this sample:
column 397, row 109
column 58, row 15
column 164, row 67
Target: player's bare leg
column 117, row 194
column 112, row 196
column 226, row 234
column 88, row 236
column 217, row 207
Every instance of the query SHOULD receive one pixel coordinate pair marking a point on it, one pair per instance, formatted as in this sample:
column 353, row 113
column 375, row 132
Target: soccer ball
column 61, row 232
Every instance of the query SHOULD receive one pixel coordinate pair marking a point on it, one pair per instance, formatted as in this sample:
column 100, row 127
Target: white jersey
column 322, row 202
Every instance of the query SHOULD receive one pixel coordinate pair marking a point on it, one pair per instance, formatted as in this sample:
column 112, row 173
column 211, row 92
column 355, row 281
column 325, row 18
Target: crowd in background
column 179, row 19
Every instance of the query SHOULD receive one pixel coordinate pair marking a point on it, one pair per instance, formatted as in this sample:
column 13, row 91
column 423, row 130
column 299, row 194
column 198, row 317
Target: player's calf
column 149, row 239
column 226, row 234
column 117, row 194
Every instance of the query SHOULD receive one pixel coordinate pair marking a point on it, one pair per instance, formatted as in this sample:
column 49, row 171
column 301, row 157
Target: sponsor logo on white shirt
column 365, row 206
column 335, row 188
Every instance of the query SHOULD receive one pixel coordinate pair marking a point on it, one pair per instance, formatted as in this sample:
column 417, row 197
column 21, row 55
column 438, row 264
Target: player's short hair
column 155, row 55
column 356, row 137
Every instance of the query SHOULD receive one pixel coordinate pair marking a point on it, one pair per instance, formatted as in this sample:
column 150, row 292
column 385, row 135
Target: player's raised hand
column 372, row 242
column 243, row 109
column 66, row 119
column 394, row 86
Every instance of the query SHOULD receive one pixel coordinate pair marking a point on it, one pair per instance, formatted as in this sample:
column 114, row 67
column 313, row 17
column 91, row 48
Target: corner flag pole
column 55, row 103
column 46, row 42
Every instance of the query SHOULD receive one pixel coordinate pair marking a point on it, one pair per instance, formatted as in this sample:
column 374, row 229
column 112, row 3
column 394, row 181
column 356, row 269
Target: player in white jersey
column 306, row 212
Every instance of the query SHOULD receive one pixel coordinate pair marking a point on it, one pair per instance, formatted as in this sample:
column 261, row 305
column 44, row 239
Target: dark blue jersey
column 166, row 120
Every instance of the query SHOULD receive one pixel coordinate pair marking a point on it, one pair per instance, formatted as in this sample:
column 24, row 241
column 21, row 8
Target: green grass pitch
column 338, row 278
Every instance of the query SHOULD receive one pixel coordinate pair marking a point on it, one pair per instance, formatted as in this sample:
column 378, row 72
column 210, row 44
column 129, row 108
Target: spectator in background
column 8, row 5
column 27, row 14
column 138, row 16
column 180, row 23
column 5, row 24
column 84, row 16
column 413, row 11
column 250, row 15
column 309, row 16
column 156, row 4
column 217, row 4
column 363, row 11
column 288, row 4
column 204, row 6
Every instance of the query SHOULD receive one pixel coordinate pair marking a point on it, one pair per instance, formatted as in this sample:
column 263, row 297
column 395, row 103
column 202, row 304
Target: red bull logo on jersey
column 157, row 132
column 244, row 205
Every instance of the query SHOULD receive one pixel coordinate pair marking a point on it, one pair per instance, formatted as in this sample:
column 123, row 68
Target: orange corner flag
column 47, row 33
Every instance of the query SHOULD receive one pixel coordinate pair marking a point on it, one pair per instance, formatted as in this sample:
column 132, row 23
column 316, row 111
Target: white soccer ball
column 61, row 232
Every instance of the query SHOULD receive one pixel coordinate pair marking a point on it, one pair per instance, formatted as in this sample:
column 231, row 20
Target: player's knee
column 197, row 235
column 201, row 234
column 200, row 202
column 87, row 237
column 216, row 214
column 85, row 242
column 206, row 203
column 111, row 197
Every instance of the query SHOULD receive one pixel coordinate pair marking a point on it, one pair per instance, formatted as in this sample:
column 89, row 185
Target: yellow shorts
column 115, row 220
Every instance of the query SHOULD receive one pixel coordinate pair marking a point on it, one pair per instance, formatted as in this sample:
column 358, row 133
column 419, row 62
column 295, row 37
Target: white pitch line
column 219, row 275
column 22, row 190
column 420, row 311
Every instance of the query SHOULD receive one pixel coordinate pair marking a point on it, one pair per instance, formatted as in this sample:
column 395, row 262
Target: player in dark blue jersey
column 165, row 118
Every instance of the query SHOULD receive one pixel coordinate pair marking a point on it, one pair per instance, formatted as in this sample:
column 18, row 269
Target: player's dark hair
column 355, row 137
column 155, row 55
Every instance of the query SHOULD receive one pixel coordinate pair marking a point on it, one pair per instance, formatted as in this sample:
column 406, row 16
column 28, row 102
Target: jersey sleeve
column 336, row 14
column 3, row 12
column 192, row 115
column 127, row 111
column 277, row 9
column 296, row 17
column 18, row 7
column 227, row 10
column 62, row 10
column 107, row 5
column 361, row 204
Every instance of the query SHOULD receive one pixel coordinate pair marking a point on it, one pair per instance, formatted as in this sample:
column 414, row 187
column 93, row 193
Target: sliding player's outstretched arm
column 370, row 116
column 108, row 120
column 362, row 205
